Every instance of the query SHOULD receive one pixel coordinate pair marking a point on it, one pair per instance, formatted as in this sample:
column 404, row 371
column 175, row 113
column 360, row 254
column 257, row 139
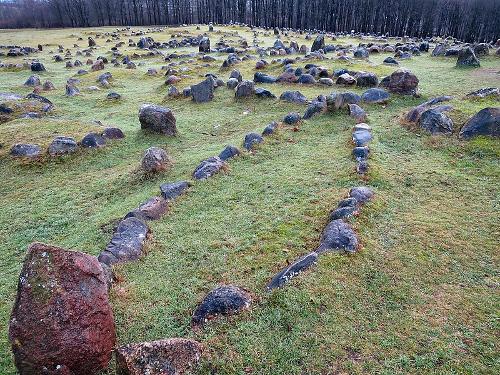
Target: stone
column 435, row 122
column 375, row 96
column 486, row 122
column 402, row 81
column 127, row 243
column 260, row 77
column 415, row 113
column 157, row 119
column 270, row 129
column 93, row 140
column 390, row 61
column 173, row 92
column 203, row 92
column 361, row 137
column 292, row 118
column 293, row 97
column 364, row 79
column 62, row 321
column 208, row 167
column 338, row 236
column 72, row 90
column 287, row 77
column 319, row 43
column 356, row 112
column 33, row 81
column 62, row 145
column 237, row 75
column 485, row 92
column 361, row 152
column 113, row 96
column 264, row 93
column 48, row 86
column 172, row 190
column 306, row 79
column 153, row 209
column 346, row 79
column 467, row 58
column 251, row 140
column 176, row 356
column 37, row 66
column 91, row 42
column 229, row 152
column 326, row 81
column 113, row 133
column 362, row 194
column 316, row 107
column 25, row 150
column 481, row 49
column 232, row 83
column 361, row 53
column 362, row 167
column 98, row 65
column 223, row 300
column 343, row 213
column 204, row 45
column 155, row 160
column 285, row 275
column 172, row 80
column 245, row 89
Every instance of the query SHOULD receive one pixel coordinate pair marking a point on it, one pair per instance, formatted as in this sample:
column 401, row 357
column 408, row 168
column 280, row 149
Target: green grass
column 421, row 296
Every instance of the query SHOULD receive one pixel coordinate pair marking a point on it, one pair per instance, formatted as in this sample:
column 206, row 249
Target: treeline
column 468, row 20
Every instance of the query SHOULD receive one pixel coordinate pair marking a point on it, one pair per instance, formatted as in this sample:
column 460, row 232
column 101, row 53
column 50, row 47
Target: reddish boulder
column 402, row 81
column 162, row 357
column 62, row 322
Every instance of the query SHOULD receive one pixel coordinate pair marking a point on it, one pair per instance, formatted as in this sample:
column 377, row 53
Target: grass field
column 421, row 296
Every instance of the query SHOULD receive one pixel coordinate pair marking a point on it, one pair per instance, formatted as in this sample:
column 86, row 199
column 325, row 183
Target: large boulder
column 127, row 243
column 402, row 81
column 361, row 53
column 485, row 122
column 175, row 356
column 93, row 140
column 157, row 119
column 416, row 112
column 62, row 322
column 319, row 43
column 155, row 159
column 223, row 300
column 204, row 91
column 467, row 58
column 435, row 122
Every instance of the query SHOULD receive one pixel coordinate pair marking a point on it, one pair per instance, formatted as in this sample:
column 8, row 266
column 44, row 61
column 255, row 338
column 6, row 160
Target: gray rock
column 375, row 95
column 338, row 236
column 245, row 89
column 361, row 137
column 467, row 58
column 172, row 190
column 285, row 275
column 486, row 122
column 319, row 43
column 153, row 209
column 62, row 145
column 204, row 91
column 293, row 97
column 155, row 160
column 229, row 152
column 361, row 153
column 251, row 140
column 264, row 93
column 26, row 150
column 362, row 194
column 364, row 79
column 157, row 119
column 356, row 112
column 270, row 129
column 113, row 133
column 260, row 77
column 292, row 118
column 209, row 167
column 93, row 140
column 436, row 122
column 361, row 53
column 33, row 81
column 204, row 45
column 232, row 83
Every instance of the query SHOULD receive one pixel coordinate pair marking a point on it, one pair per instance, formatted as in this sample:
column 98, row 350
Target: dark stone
column 62, row 322
column 21, row 150
column 485, row 122
column 345, row 79
column 270, row 129
column 390, row 61
column 33, row 81
column 319, row 43
column 338, row 235
column 91, row 42
column 62, row 145
column 416, row 112
column 356, row 112
column 260, row 77
column 361, row 152
column 245, row 89
column 93, row 140
column 314, row 108
column 223, row 300
column 292, row 118
column 127, row 243
column 153, row 209
column 175, row 356
column 72, row 90
column 293, row 97
column 362, row 194
column 172, row 190
column 263, row 93
column 364, row 79
column 204, row 91
column 113, row 133
column 285, row 275
column 306, row 79
column 361, row 53
column 37, row 66
column 362, row 167
column 342, row 213
column 467, row 58
column 204, row 45
column 402, row 81
column 229, row 152
column 155, row 160
column 375, row 95
column 251, row 140
column 236, row 74
column 157, row 119
column 208, row 168
column 113, row 96
column 485, row 92
column 436, row 122
column 481, row 49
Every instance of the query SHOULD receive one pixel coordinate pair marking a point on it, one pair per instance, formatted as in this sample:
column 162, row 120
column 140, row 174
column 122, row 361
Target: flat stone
column 264, row 93
column 223, row 300
column 153, row 209
column 375, row 95
column 435, row 122
column 127, row 243
column 25, row 150
column 293, row 97
column 358, row 113
column 172, row 190
column 289, row 272
column 270, row 129
column 203, row 92
column 176, row 356
column 62, row 145
column 361, row 153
